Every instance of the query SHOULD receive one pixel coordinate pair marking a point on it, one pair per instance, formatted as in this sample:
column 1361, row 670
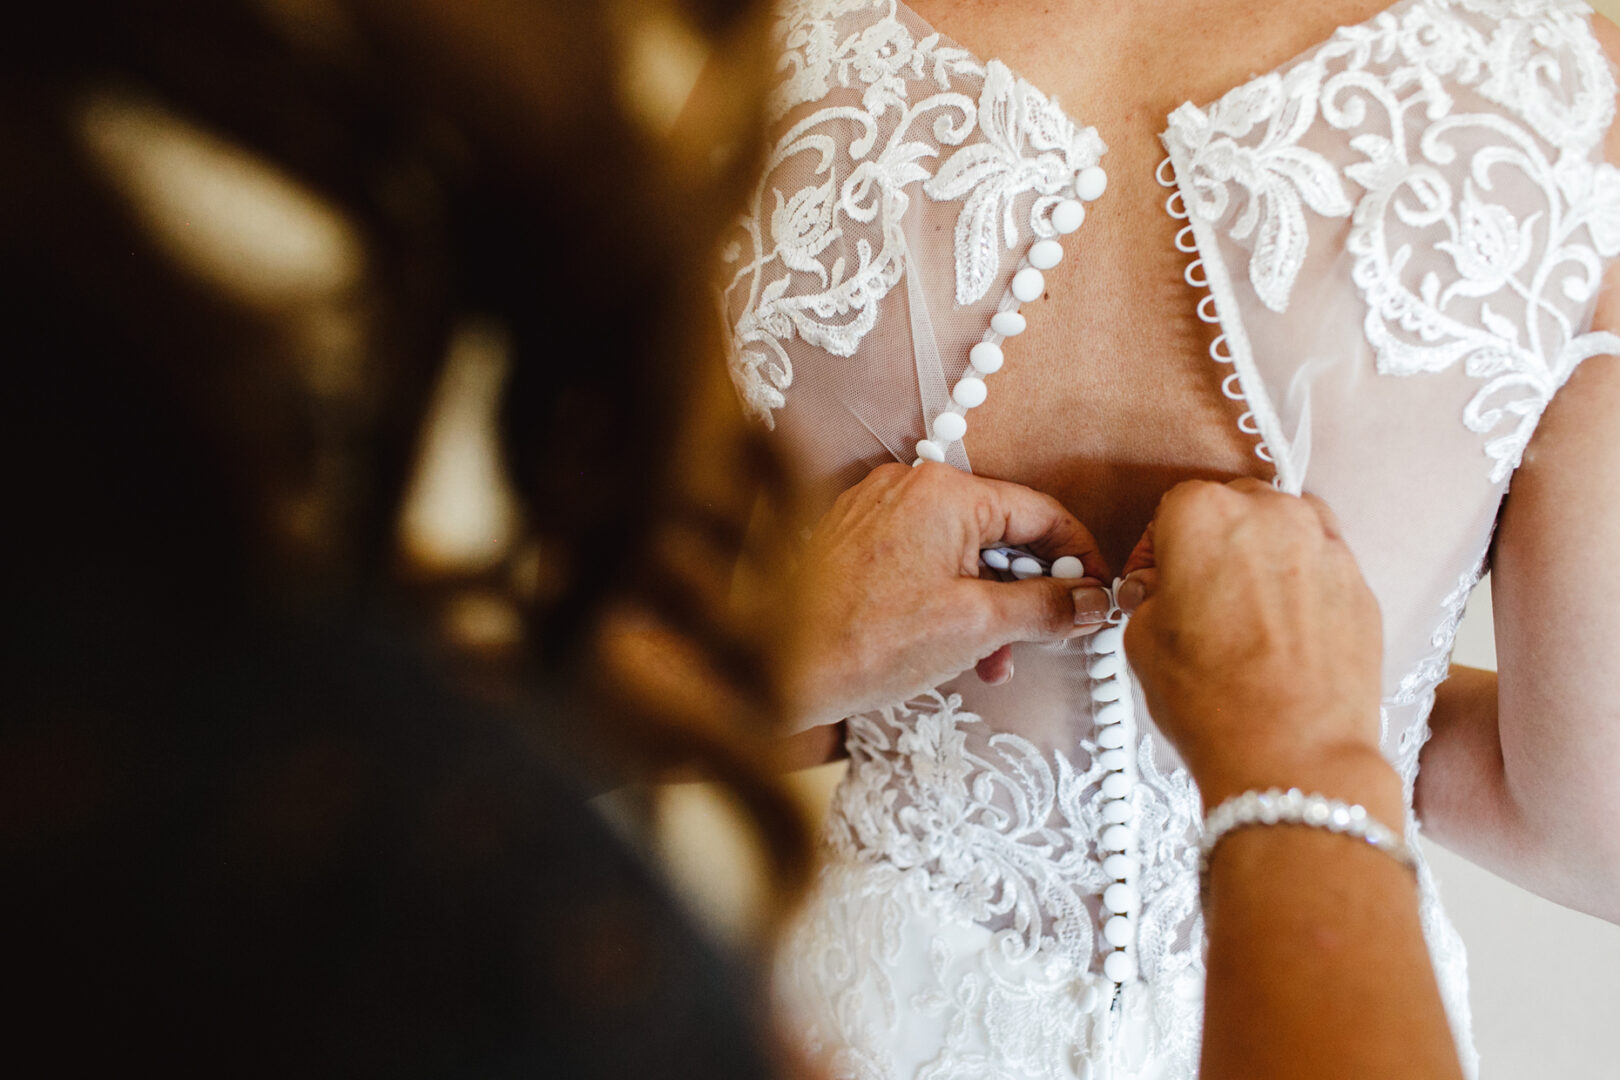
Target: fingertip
column 1136, row 588
column 997, row 668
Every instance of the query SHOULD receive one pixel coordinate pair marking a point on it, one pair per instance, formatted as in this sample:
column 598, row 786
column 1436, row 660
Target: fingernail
column 1090, row 606
column 1131, row 593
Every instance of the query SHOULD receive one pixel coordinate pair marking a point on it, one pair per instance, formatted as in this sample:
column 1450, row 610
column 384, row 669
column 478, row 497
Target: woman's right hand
column 1258, row 644
column 889, row 598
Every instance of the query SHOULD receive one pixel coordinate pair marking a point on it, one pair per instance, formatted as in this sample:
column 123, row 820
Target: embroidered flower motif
column 1029, row 145
column 1489, row 248
column 1280, row 177
column 1593, row 195
column 822, row 244
column 802, row 227
column 1510, row 309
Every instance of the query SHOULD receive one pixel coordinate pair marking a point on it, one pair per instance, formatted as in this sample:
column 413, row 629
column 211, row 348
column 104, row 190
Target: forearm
column 1333, row 926
column 1537, row 813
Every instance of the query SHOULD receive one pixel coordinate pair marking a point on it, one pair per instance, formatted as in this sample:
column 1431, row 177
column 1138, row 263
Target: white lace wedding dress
column 1433, row 177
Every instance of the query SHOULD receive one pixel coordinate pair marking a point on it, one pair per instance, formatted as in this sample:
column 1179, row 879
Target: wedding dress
column 1433, row 177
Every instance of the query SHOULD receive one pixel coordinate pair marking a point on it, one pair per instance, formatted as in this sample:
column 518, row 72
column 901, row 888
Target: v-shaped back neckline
column 1273, row 445
column 1390, row 10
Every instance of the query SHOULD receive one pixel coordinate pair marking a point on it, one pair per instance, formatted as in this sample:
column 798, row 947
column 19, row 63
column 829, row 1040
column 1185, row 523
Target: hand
column 1257, row 642
column 890, row 599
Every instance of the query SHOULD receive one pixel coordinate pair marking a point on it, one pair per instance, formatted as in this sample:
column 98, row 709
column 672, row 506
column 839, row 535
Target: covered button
column 949, row 426
column 1091, row 183
column 1068, row 216
column 1045, row 254
column 1008, row 323
column 1028, row 284
column 970, row 392
column 986, row 357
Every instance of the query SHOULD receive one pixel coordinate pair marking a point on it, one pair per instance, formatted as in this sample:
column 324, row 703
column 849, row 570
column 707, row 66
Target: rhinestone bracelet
column 1294, row 807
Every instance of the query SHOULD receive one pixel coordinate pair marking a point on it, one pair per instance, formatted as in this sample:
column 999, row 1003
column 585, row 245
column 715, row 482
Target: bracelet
column 1294, row 807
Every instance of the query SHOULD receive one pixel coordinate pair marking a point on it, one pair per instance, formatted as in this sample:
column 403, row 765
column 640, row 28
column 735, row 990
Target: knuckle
column 983, row 618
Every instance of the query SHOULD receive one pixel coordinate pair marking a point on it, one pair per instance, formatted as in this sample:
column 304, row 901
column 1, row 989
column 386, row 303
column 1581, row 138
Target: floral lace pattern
column 1526, row 100
column 942, row 823
column 909, row 103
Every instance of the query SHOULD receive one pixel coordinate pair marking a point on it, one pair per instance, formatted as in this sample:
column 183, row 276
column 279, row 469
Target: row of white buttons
column 1111, row 694
column 1028, row 284
column 1108, row 667
column 1121, row 899
column 1023, row 566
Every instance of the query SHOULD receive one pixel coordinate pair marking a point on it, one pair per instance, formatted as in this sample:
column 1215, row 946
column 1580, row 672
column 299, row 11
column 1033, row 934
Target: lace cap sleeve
column 903, row 181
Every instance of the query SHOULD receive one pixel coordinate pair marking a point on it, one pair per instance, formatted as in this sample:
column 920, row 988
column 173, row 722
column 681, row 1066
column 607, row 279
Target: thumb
column 1039, row 609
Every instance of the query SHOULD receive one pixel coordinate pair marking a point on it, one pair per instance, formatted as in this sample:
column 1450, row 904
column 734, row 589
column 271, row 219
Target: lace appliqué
column 1419, row 684
column 979, row 850
column 1449, row 272
column 821, row 244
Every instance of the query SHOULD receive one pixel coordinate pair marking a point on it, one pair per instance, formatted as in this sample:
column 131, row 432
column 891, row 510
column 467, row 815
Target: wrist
column 1352, row 772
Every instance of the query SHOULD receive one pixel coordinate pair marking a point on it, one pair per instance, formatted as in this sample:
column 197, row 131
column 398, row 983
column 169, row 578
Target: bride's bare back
column 1110, row 398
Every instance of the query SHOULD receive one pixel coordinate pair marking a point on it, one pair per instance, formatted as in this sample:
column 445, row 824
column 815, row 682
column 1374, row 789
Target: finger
column 1183, row 503
column 996, row 668
column 1137, row 588
column 1040, row 609
column 1141, row 555
column 1018, row 515
column 1248, row 485
column 1330, row 520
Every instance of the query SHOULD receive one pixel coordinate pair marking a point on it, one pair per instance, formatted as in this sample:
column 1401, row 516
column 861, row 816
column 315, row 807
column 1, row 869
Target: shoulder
column 1607, row 35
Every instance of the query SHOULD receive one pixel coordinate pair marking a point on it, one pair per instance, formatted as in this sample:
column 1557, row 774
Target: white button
column 1117, row 811
column 1112, row 690
column 1088, row 999
column 1118, row 838
column 970, row 392
column 1104, row 667
column 1120, row 898
column 1008, row 323
column 1091, row 183
column 1111, row 737
column 1112, row 713
column 929, row 450
column 1045, row 254
column 995, row 558
column 1118, row 931
column 1067, row 567
column 1113, row 760
column 1028, row 284
column 1068, row 216
column 1116, row 785
column 1119, row 866
column 949, row 426
column 1024, row 568
column 1107, row 639
column 986, row 357
column 1119, row 967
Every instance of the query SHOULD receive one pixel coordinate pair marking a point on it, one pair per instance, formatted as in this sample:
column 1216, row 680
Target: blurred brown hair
column 486, row 155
